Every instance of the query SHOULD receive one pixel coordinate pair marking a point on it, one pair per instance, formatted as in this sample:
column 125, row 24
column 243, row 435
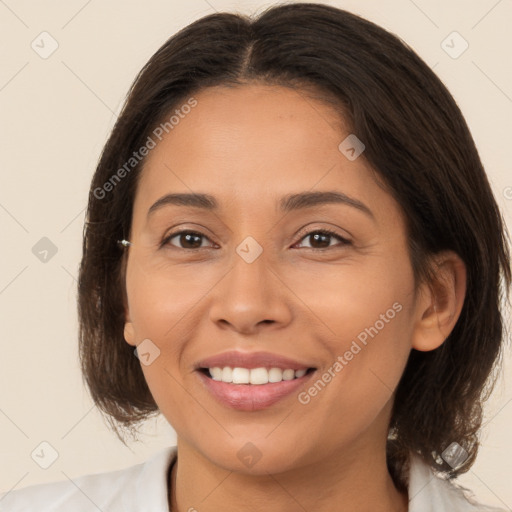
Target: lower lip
column 252, row 397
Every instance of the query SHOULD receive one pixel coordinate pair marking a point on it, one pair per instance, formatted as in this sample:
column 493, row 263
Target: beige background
column 55, row 116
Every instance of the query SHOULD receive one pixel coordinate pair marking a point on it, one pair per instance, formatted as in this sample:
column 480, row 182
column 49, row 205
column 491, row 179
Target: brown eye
column 321, row 239
column 186, row 239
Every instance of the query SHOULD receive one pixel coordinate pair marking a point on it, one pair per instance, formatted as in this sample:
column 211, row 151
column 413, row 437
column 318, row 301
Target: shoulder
column 142, row 487
column 431, row 493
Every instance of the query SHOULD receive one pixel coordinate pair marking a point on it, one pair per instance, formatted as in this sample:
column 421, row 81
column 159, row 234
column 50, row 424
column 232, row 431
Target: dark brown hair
column 416, row 140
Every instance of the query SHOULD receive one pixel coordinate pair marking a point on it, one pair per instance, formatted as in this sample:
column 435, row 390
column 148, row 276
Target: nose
column 251, row 297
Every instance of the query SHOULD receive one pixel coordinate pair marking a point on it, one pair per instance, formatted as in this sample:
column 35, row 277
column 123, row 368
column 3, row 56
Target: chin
column 258, row 457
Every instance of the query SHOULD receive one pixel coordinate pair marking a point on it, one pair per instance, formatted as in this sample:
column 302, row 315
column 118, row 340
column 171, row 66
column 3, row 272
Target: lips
column 252, row 360
column 252, row 397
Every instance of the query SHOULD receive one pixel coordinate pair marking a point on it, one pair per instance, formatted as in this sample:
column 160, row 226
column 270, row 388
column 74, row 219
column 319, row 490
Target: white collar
column 431, row 493
column 143, row 488
column 427, row 492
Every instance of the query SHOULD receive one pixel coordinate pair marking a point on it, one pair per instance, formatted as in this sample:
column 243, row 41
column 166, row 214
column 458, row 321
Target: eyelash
column 167, row 239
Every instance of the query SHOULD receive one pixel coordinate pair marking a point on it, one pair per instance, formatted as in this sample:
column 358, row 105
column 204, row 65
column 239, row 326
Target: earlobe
column 129, row 333
column 129, row 330
column 440, row 302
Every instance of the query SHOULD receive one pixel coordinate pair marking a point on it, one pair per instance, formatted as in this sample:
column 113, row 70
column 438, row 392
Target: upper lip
column 234, row 358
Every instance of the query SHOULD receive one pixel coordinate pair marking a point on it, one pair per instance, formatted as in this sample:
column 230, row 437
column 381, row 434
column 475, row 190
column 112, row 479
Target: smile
column 246, row 396
column 255, row 376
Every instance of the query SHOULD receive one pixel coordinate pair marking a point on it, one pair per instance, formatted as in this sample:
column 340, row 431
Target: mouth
column 251, row 381
column 253, row 376
column 252, row 390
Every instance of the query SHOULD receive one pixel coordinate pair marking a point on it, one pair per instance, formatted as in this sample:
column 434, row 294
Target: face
column 324, row 281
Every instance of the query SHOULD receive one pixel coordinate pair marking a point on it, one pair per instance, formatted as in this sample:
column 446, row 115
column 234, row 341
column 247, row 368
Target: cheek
column 159, row 299
column 368, row 310
column 158, row 308
column 356, row 386
column 357, row 294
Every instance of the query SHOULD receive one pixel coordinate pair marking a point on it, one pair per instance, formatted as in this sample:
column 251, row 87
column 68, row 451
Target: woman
column 293, row 253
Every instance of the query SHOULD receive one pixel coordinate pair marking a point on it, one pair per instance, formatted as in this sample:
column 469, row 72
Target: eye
column 189, row 239
column 323, row 237
column 194, row 240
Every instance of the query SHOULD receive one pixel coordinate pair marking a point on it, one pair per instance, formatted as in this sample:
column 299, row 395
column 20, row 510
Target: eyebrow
column 287, row 203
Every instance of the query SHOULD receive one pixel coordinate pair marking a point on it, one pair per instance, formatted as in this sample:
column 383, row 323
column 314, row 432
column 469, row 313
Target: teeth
column 255, row 376
column 275, row 375
column 241, row 376
column 227, row 374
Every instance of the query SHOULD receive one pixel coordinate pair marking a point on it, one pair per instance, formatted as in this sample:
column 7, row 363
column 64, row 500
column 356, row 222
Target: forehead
column 254, row 143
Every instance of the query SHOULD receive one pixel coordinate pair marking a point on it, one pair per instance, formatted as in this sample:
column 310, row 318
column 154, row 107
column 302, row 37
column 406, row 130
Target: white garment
column 143, row 488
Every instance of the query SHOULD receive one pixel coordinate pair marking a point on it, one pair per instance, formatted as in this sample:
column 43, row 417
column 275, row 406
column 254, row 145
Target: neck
column 342, row 482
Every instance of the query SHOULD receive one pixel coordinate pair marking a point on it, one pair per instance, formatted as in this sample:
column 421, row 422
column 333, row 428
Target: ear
column 129, row 332
column 439, row 302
